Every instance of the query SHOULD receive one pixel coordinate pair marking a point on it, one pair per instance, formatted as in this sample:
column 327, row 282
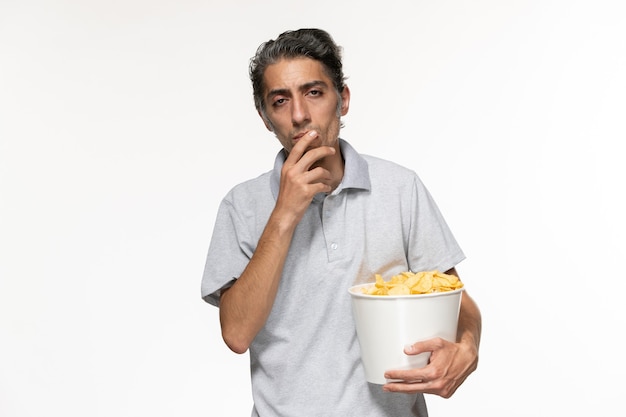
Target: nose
column 299, row 112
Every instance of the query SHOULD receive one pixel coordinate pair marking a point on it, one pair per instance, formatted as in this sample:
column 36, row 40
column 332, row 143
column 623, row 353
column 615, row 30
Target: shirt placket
column 332, row 223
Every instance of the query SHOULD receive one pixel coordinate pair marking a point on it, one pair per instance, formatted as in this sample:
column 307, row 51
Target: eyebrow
column 303, row 87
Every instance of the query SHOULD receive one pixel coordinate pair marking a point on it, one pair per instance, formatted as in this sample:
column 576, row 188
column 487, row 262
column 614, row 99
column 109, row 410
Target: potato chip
column 399, row 289
column 423, row 282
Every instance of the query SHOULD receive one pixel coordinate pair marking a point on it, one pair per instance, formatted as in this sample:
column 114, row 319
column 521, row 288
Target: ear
column 266, row 121
column 345, row 100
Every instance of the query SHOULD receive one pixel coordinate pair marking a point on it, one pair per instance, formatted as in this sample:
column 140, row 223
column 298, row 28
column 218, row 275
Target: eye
column 315, row 93
column 279, row 102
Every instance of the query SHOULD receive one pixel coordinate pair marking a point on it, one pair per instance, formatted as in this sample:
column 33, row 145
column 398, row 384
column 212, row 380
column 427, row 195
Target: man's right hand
column 302, row 178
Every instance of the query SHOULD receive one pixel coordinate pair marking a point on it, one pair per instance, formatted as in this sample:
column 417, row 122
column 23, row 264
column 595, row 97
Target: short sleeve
column 229, row 252
column 431, row 242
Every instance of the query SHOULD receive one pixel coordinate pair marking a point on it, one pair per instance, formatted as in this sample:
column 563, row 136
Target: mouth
column 299, row 135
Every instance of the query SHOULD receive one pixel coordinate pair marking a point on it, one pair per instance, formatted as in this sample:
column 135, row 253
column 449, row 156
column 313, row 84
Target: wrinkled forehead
column 293, row 74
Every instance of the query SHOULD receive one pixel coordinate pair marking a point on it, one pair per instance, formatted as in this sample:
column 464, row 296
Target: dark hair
column 311, row 43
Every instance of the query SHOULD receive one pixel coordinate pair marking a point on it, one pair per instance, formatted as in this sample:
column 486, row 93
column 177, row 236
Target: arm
column 450, row 363
column 245, row 306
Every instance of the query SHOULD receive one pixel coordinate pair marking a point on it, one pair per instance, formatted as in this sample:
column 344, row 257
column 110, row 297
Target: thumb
column 410, row 349
column 417, row 348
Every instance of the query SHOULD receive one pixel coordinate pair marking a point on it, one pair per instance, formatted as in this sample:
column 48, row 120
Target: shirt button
column 334, row 246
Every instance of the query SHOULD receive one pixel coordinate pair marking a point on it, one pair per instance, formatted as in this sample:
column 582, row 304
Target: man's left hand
column 450, row 364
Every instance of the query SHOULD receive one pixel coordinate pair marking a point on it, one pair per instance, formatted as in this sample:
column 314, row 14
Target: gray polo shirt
column 379, row 220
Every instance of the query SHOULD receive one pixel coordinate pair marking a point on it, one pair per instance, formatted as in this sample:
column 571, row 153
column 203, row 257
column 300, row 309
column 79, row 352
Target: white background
column 124, row 122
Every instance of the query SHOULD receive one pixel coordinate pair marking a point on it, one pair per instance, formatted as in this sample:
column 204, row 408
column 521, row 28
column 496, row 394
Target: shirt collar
column 355, row 174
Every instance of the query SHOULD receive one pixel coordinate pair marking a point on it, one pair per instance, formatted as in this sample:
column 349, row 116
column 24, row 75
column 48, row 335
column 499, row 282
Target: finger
column 311, row 182
column 313, row 156
column 444, row 389
column 408, row 376
column 408, row 387
column 429, row 345
column 311, row 139
column 308, row 151
column 302, row 145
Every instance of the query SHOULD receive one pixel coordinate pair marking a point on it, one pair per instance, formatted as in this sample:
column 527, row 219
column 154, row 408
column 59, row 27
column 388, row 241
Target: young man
column 287, row 245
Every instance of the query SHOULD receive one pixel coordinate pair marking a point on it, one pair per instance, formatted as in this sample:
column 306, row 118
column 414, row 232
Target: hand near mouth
column 314, row 143
column 301, row 178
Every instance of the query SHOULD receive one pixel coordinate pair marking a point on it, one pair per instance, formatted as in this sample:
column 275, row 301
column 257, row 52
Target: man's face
column 300, row 97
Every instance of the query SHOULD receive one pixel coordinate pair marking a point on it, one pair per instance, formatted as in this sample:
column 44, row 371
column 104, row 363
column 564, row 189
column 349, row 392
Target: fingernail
column 408, row 348
column 312, row 133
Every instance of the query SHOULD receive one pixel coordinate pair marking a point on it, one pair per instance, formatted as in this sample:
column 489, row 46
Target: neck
column 335, row 165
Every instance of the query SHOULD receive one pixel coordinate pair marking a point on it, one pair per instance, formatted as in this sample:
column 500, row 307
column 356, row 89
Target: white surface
column 386, row 324
column 123, row 123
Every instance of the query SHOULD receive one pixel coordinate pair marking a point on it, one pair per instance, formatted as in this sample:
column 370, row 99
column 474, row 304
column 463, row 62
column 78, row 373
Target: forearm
column 470, row 323
column 245, row 306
